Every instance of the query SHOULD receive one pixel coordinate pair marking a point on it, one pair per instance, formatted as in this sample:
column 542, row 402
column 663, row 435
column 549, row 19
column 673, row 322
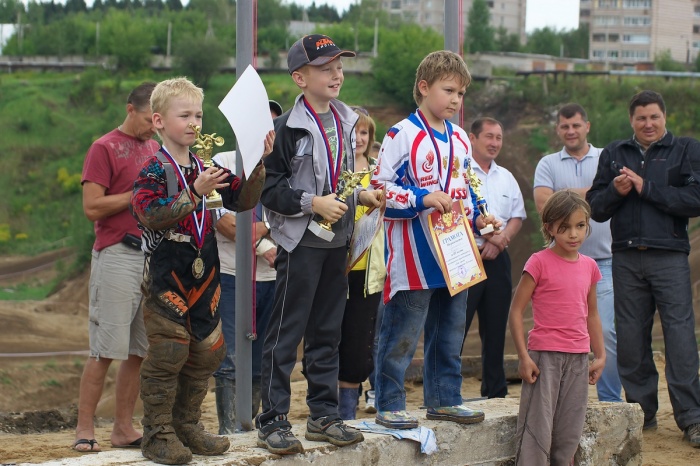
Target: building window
column 395, row 4
column 585, row 13
column 606, row 20
column 696, row 11
column 607, row 3
column 637, row 21
column 636, row 38
column 612, row 53
column 636, row 54
column 598, row 54
column 696, row 29
column 696, row 44
column 490, row 4
column 598, row 37
column 613, row 37
column 639, row 4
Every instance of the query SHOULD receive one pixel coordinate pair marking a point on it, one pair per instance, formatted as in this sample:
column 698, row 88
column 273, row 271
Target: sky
column 559, row 14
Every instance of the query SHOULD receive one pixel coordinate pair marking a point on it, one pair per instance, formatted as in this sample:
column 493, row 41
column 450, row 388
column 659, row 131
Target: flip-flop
column 135, row 444
column 84, row 441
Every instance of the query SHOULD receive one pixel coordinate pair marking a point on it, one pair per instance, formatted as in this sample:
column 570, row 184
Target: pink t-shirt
column 560, row 302
column 114, row 161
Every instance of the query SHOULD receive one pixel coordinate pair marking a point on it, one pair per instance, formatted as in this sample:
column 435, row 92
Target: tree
column 133, row 54
column 506, row 42
column 663, row 61
column 272, row 13
column 576, row 42
column 546, row 41
column 394, row 68
column 480, row 35
column 199, row 58
column 9, row 10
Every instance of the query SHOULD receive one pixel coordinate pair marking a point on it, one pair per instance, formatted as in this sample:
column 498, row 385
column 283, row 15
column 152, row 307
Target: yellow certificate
column 457, row 251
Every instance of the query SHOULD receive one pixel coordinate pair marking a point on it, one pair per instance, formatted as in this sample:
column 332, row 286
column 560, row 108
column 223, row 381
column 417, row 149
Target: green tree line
column 109, row 26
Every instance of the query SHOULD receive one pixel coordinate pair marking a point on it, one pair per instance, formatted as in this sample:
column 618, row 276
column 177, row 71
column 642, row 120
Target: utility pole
column 245, row 37
column 453, row 39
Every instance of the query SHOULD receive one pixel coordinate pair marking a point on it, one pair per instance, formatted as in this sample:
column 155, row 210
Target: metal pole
column 245, row 35
column 453, row 12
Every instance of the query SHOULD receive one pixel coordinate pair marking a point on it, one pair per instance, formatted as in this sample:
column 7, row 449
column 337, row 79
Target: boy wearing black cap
column 314, row 145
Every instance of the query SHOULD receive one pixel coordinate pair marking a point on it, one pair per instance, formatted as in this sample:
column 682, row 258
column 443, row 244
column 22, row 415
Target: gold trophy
column 205, row 146
column 476, row 183
column 346, row 187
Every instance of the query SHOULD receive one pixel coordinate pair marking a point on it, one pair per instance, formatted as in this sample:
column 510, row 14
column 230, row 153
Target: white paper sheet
column 247, row 110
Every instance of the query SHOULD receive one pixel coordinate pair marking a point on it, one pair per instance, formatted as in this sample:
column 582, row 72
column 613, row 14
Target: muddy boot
column 186, row 414
column 160, row 444
column 347, row 403
column 256, row 397
column 226, row 405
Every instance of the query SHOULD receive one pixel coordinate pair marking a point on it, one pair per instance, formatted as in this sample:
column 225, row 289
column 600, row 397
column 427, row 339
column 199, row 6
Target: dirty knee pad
column 206, row 355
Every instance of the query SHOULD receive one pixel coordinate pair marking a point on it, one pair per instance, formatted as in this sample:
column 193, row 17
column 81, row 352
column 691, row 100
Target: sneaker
column 369, row 402
column 277, row 437
column 692, row 435
column 396, row 420
column 333, row 430
column 460, row 414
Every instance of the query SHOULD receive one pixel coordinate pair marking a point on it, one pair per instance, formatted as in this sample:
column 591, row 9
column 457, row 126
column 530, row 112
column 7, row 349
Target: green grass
column 26, row 291
column 50, row 365
column 51, row 383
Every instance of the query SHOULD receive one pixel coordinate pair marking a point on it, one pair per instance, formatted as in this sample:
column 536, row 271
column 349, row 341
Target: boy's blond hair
column 166, row 90
column 442, row 64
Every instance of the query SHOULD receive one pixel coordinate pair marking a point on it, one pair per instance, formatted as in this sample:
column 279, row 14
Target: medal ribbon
column 199, row 221
column 448, row 129
column 334, row 164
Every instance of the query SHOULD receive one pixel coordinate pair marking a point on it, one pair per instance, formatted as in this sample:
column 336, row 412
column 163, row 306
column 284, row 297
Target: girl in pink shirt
column 561, row 283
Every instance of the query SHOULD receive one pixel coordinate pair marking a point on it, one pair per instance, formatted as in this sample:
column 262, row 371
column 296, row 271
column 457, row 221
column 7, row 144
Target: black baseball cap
column 315, row 50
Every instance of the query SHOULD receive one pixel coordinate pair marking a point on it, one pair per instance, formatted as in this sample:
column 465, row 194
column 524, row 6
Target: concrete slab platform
column 612, row 436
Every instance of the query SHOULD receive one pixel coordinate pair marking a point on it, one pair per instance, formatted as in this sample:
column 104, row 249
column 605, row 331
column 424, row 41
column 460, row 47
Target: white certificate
column 458, row 254
column 247, row 109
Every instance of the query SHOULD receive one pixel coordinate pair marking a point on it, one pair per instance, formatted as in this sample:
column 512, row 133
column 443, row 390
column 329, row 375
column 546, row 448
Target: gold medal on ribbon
column 198, row 268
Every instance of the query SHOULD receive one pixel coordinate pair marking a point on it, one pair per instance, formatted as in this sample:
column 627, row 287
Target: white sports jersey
column 413, row 163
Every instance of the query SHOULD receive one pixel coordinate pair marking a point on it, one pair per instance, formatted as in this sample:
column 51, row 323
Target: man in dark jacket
column 648, row 186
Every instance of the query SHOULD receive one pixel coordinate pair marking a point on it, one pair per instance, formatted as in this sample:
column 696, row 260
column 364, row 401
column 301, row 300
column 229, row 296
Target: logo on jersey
column 429, row 161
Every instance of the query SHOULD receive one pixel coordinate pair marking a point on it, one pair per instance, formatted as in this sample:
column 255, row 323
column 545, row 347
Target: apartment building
column 509, row 14
column 635, row 31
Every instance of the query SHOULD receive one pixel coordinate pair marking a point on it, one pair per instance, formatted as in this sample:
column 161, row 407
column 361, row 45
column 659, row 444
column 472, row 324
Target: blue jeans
column 442, row 318
column 609, row 386
column 644, row 281
column 375, row 346
column 264, row 297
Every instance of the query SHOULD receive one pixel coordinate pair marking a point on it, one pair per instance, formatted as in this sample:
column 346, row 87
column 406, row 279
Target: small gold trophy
column 476, row 183
column 205, row 146
column 346, row 187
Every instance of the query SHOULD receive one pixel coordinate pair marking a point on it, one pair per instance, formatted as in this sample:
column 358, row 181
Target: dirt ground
column 38, row 394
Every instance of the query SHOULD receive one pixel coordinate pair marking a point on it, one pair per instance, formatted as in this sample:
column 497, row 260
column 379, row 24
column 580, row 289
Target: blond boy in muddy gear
column 181, row 278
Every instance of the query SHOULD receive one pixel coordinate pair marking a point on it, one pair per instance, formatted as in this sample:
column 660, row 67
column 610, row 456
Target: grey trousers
column 552, row 410
column 644, row 281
